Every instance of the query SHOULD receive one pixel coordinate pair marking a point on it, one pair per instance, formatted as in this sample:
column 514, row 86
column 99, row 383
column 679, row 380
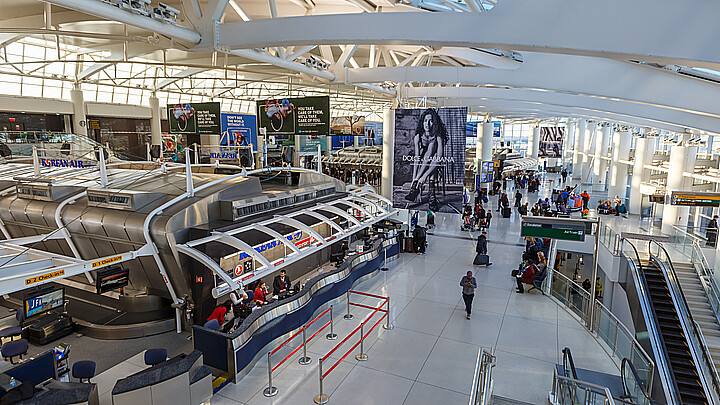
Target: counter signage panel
column 552, row 230
column 695, row 199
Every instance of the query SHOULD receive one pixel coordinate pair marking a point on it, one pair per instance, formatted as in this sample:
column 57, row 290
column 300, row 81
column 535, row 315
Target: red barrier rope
column 319, row 330
column 341, row 343
column 318, row 317
column 286, row 357
column 288, row 340
column 376, row 324
column 368, row 307
column 341, row 359
column 367, row 294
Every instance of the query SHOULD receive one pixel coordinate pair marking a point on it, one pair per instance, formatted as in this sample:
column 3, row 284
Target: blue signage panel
column 238, row 130
column 342, row 141
column 373, row 134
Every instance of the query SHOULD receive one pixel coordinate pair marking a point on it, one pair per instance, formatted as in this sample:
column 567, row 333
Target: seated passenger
column 527, row 276
column 261, row 293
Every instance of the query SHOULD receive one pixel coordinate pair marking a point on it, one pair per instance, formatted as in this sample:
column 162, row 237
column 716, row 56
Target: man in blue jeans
column 468, row 284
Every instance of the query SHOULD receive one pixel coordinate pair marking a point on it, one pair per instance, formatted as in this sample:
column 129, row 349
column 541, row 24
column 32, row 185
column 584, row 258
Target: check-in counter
column 236, row 353
column 181, row 380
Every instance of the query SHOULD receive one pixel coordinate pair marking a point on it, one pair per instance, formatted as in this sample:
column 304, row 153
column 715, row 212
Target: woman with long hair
column 429, row 147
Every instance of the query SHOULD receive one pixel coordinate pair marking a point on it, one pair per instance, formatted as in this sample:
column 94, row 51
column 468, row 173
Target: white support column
column 78, row 104
column 155, row 131
column 600, row 166
column 535, row 143
column 568, row 143
column 644, row 151
column 587, row 148
column 387, row 155
column 578, row 148
column 619, row 171
column 682, row 159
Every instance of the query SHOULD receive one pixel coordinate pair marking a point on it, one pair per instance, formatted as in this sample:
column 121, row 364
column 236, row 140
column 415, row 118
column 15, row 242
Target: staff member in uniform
column 281, row 284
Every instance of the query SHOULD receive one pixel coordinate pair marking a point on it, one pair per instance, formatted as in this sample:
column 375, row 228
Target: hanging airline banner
column 373, row 134
column 553, row 229
column 238, row 130
column 429, row 159
column 695, row 199
column 348, row 125
column 295, row 116
column 195, row 118
column 309, row 143
column 471, row 132
column 342, row 141
column 551, row 142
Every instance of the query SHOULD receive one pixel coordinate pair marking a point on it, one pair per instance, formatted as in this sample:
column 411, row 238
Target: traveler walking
column 564, row 174
column 712, row 232
column 468, row 284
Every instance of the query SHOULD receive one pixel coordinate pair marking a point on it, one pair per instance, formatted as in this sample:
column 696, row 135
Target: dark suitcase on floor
column 481, row 259
column 506, row 212
column 409, row 245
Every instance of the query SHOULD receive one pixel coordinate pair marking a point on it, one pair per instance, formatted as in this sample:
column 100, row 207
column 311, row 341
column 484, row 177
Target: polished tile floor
column 430, row 355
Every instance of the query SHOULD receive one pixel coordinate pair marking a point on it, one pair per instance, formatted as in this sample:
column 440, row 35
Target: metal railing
column 633, row 387
column 609, row 238
column 695, row 338
column 607, row 328
column 271, row 391
column 323, row 398
column 707, row 278
column 568, row 391
column 482, row 379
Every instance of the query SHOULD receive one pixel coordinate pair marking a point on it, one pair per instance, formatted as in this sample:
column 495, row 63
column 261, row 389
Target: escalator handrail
column 663, row 365
column 685, row 308
column 643, row 389
column 567, row 355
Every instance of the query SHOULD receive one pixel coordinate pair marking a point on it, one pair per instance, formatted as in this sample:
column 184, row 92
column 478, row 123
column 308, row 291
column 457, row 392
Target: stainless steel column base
column 331, row 336
column 321, row 399
column 361, row 357
column 348, row 316
column 270, row 391
column 388, row 327
column 304, row 360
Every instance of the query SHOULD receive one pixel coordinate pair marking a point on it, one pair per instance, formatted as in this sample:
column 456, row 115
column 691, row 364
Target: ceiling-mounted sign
column 295, row 116
column 695, row 199
column 194, row 118
column 553, row 229
column 657, row 198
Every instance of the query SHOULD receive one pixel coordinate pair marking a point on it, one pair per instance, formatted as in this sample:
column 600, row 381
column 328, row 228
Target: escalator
column 677, row 352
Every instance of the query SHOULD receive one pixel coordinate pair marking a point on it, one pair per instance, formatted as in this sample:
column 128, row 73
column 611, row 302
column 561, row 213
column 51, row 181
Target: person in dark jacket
column 712, row 232
column 281, row 284
column 481, row 246
column 523, row 210
column 468, row 284
column 518, row 199
column 419, row 238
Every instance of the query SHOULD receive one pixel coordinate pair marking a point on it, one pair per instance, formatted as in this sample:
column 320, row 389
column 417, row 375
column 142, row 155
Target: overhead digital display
column 695, row 199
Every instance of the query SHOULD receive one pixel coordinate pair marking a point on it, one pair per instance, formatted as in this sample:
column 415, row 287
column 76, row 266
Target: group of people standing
column 362, row 175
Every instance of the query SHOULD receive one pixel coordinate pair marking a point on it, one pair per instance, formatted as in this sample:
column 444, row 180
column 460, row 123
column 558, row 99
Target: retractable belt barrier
column 271, row 391
column 385, row 301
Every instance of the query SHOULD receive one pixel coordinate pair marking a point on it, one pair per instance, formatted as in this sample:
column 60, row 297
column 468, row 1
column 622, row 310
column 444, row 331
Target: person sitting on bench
column 534, row 275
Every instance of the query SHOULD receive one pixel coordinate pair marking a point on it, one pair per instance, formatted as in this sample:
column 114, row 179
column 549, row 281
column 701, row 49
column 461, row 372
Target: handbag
column 515, row 272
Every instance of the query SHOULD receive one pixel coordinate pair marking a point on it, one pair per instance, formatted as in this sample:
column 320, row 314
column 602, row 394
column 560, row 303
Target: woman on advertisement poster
column 429, row 146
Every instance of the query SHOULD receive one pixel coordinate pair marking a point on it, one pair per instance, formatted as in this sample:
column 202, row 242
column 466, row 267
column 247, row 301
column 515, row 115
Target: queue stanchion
column 362, row 356
column 388, row 325
column 270, row 391
column 384, row 265
column 349, row 315
column 304, row 359
column 321, row 398
column 332, row 335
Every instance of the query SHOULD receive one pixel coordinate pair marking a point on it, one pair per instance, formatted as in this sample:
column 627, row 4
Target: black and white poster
column 429, row 159
column 551, row 142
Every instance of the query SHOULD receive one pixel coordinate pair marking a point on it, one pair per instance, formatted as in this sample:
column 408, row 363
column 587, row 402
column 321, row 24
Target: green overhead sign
column 695, row 199
column 563, row 230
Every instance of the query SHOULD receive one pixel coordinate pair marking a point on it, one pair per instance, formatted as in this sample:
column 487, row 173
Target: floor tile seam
column 530, row 319
column 436, row 302
column 444, row 388
column 433, row 347
column 408, row 394
column 524, row 356
column 502, row 321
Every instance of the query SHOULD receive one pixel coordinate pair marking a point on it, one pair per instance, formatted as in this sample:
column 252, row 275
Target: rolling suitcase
column 506, row 212
column 409, row 245
column 481, row 260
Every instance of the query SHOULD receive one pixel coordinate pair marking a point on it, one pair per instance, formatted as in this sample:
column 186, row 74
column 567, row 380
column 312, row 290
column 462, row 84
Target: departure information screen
column 695, row 199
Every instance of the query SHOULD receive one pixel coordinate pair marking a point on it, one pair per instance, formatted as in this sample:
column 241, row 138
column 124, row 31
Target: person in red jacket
column 527, row 277
column 261, row 293
column 220, row 311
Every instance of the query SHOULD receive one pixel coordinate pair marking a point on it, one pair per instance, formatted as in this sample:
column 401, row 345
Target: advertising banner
column 309, row 143
column 238, row 130
column 429, row 159
column 551, row 142
column 342, row 141
column 295, row 116
column 195, row 118
column 373, row 134
column 348, row 125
